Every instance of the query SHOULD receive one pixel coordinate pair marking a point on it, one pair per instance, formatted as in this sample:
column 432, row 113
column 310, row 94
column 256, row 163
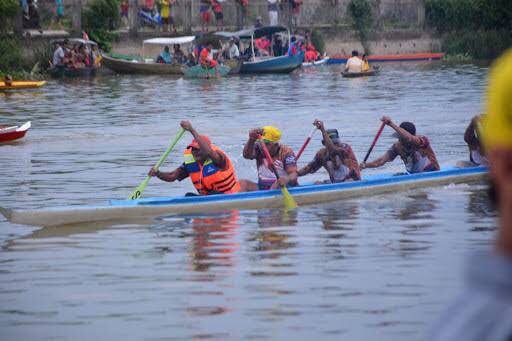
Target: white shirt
column 354, row 64
column 58, row 55
column 233, row 51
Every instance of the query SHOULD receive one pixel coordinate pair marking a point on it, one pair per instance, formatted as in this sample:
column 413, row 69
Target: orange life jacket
column 207, row 178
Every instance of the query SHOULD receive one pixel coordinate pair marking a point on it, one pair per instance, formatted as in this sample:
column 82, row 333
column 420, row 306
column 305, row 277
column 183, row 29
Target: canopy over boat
column 253, row 32
column 304, row 195
column 170, row 41
column 73, row 41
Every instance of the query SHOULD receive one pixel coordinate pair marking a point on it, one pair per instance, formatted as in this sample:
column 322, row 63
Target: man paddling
column 414, row 150
column 208, row 167
column 283, row 159
column 336, row 157
column 472, row 138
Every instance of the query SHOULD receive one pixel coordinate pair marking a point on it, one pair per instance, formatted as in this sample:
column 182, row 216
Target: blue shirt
column 166, row 56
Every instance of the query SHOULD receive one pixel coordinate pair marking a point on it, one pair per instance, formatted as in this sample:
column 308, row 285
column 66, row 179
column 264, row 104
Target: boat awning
column 73, row 41
column 258, row 32
column 170, row 41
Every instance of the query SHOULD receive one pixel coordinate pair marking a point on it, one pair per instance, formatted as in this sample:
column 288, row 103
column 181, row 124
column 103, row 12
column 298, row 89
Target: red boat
column 11, row 133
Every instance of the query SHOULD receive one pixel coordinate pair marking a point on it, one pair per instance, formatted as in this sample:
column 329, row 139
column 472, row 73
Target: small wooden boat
column 265, row 64
column 21, row 85
column 198, row 71
column 304, row 195
column 359, row 74
column 323, row 61
column 69, row 71
column 145, row 65
column 12, row 133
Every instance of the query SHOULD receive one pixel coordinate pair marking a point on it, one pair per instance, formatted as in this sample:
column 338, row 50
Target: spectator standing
column 204, row 11
column 242, row 13
column 273, row 12
column 124, row 7
column 258, row 22
column 219, row 16
column 164, row 15
column 59, row 12
column 295, row 12
column 172, row 14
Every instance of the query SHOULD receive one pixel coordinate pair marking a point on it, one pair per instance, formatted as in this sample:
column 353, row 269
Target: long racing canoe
column 304, row 195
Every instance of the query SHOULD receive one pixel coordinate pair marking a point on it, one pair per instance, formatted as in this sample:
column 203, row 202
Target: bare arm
column 248, row 152
column 378, row 162
column 177, row 174
column 469, row 134
column 404, row 134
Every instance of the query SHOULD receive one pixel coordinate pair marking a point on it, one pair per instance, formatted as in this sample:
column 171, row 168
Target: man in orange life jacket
column 208, row 167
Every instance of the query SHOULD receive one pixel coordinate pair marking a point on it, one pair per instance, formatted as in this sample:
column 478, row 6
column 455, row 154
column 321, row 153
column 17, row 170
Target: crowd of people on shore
column 211, row 170
column 75, row 55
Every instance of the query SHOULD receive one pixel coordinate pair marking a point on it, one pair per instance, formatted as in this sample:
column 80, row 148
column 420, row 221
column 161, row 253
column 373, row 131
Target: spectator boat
column 359, row 74
column 12, row 133
column 265, row 64
column 68, row 71
column 304, row 195
column 148, row 65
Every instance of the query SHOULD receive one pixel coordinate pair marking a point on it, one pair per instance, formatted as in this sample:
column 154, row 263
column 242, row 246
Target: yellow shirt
column 164, row 12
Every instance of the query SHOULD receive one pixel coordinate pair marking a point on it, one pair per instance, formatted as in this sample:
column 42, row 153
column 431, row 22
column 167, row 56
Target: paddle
column 374, row 141
column 289, row 202
column 137, row 193
column 305, row 143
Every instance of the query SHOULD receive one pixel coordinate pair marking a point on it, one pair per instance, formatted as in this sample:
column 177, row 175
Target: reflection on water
column 380, row 267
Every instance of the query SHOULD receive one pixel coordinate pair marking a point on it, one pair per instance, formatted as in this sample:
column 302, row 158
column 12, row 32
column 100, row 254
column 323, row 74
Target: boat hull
column 124, row 66
column 359, row 74
column 22, row 85
column 304, row 195
column 415, row 57
column 13, row 133
column 320, row 62
column 58, row 72
column 198, row 71
column 281, row 64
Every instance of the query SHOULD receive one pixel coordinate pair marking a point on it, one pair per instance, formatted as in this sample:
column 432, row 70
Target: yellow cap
column 271, row 134
column 497, row 122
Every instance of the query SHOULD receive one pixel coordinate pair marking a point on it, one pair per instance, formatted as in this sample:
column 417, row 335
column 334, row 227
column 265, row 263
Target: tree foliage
column 362, row 18
column 99, row 18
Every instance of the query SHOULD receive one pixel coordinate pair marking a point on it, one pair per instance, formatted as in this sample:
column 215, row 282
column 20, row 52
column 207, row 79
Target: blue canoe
column 304, row 195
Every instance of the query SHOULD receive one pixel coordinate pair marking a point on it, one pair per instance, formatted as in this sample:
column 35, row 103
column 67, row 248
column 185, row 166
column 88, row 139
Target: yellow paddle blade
column 137, row 192
column 289, row 202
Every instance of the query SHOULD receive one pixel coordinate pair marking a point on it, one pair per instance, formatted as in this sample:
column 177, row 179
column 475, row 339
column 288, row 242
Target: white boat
column 304, row 195
column 320, row 62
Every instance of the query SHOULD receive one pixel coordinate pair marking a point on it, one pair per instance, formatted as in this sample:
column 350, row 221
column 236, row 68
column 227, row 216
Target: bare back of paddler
column 336, row 157
column 208, row 167
column 414, row 150
column 472, row 137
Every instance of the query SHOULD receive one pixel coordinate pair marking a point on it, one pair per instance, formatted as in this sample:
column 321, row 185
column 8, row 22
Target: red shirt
column 204, row 56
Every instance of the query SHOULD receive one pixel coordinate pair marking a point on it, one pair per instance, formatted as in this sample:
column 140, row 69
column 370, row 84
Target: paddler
column 208, row 167
column 282, row 156
column 414, row 150
column 483, row 310
column 354, row 64
column 472, row 138
column 206, row 58
column 336, row 157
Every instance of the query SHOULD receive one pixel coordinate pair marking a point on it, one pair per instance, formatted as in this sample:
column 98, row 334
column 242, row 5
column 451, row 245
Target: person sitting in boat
column 206, row 58
column 263, row 46
column 366, row 66
column 232, row 51
column 354, row 64
column 208, row 167
column 164, row 57
column 283, row 158
column 179, row 55
column 414, row 150
column 472, row 138
column 59, row 56
column 77, row 59
column 336, row 157
column 96, row 55
column 292, row 48
column 277, row 48
column 311, row 54
column 8, row 80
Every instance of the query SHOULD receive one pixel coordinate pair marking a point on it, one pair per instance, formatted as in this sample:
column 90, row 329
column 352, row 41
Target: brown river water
column 380, row 267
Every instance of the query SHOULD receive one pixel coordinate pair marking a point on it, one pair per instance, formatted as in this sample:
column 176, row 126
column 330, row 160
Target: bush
column 362, row 19
column 99, row 19
column 10, row 55
column 318, row 41
column 477, row 44
column 8, row 10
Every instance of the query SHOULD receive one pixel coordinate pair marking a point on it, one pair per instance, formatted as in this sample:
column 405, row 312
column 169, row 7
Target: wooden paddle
column 289, row 202
column 306, row 143
column 374, row 141
column 137, row 193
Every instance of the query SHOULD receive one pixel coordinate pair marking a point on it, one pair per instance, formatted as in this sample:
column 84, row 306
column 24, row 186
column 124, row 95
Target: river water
column 380, row 267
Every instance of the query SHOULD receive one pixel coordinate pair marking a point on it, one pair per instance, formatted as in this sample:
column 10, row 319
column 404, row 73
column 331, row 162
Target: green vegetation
column 362, row 19
column 318, row 41
column 99, row 19
column 481, row 29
